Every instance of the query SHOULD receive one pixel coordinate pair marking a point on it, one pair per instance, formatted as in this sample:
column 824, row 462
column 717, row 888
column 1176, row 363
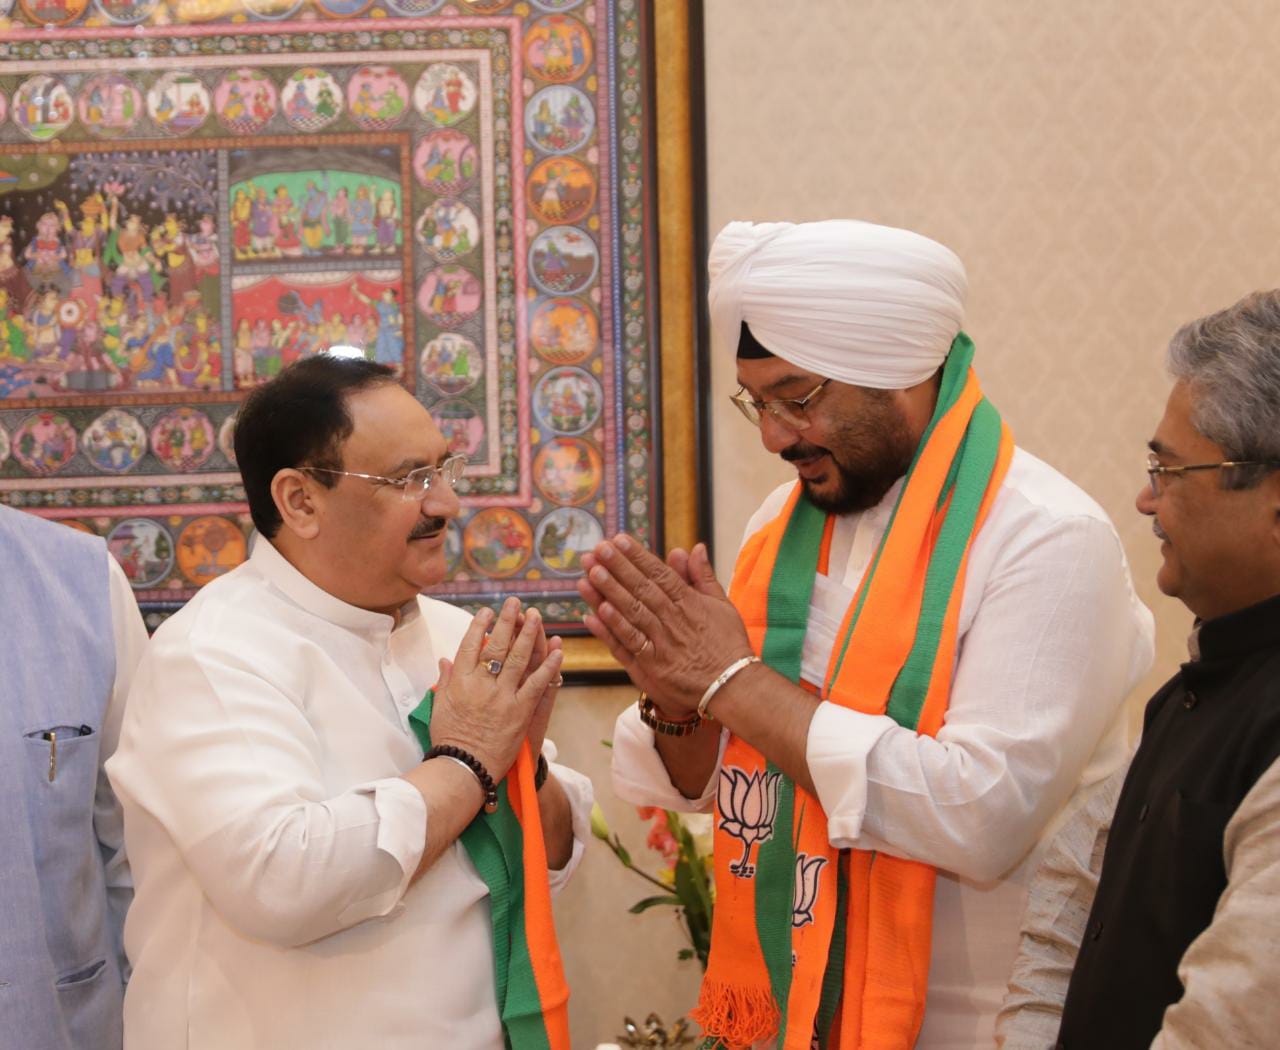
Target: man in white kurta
column 266, row 773
column 1051, row 634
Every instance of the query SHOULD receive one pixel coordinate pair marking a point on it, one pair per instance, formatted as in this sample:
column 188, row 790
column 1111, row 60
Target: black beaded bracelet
column 475, row 765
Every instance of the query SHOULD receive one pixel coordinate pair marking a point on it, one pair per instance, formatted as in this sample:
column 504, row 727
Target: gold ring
column 648, row 644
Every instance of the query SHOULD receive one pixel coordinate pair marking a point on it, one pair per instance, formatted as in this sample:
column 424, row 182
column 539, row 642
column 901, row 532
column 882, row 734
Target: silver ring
column 557, row 681
column 648, row 644
column 494, row 667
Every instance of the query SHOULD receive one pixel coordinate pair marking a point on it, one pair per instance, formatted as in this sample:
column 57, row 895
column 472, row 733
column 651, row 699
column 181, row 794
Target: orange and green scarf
column 811, row 945
column 508, row 851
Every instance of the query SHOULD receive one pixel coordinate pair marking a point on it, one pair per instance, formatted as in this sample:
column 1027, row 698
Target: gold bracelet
column 666, row 726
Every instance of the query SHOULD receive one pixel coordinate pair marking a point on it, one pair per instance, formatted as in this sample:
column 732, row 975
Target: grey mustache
column 1160, row 533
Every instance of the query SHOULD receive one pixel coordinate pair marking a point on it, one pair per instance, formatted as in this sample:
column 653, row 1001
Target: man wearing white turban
column 917, row 673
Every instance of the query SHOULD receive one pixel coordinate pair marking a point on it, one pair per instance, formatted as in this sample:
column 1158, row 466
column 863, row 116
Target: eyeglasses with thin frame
column 414, row 485
column 1156, row 470
column 793, row 411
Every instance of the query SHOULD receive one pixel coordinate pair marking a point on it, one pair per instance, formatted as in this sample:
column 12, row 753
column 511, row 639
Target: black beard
column 868, row 454
column 427, row 527
column 859, row 488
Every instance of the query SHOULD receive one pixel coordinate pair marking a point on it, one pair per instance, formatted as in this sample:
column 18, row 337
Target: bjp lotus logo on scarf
column 747, row 806
column 806, row 888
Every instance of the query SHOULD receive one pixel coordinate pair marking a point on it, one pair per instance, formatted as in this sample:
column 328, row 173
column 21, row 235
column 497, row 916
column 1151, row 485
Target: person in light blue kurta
column 71, row 638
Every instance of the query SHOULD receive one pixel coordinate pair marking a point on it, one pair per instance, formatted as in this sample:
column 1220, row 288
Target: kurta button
column 1096, row 932
column 1142, row 813
column 1190, row 700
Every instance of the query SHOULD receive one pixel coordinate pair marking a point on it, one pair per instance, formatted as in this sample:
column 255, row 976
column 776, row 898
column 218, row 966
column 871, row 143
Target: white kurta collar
column 282, row 574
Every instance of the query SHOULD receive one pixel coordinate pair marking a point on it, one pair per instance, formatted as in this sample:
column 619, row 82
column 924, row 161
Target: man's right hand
column 485, row 714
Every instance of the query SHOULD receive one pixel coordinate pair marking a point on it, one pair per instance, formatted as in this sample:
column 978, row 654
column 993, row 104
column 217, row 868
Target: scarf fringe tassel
column 736, row 1017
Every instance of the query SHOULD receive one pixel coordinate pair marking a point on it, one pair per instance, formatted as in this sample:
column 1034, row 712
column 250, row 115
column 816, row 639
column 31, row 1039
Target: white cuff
column 639, row 777
column 402, row 834
column 837, row 748
column 578, row 790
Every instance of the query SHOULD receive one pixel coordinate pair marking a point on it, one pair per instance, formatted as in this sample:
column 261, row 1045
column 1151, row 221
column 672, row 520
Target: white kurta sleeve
column 229, row 766
column 1056, row 643
column 577, row 789
column 129, row 636
column 1059, row 900
column 1229, row 971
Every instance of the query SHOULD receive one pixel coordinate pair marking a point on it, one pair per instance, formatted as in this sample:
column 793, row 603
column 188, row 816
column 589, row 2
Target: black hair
column 299, row 418
column 749, row 347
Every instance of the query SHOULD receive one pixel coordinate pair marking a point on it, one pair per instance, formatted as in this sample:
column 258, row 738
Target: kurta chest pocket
column 62, row 773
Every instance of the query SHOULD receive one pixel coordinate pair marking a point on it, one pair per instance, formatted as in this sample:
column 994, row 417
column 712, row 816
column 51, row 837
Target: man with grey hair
column 1180, row 947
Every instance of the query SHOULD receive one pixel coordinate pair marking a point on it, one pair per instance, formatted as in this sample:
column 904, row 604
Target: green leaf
column 651, row 902
column 621, row 851
column 684, row 953
column 606, row 743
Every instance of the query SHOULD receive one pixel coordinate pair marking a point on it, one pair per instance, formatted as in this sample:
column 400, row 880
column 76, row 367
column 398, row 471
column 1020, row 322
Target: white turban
column 851, row 301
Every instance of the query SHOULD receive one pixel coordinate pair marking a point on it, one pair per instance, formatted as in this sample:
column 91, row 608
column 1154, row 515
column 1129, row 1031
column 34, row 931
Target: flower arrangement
column 684, row 842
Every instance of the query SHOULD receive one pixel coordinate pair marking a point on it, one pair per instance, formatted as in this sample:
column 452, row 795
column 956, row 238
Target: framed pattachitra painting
column 196, row 193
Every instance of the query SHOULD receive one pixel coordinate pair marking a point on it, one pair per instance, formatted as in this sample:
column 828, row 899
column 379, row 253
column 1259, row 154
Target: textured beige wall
column 1105, row 169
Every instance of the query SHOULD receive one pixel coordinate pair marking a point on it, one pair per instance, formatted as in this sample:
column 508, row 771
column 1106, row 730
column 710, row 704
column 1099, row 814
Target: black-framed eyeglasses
column 414, row 485
column 1157, row 470
column 793, row 411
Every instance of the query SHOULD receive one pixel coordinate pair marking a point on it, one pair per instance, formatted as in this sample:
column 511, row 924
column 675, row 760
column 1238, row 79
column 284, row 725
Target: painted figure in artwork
column 45, row 254
column 340, row 217
column 362, row 233
column 387, row 222
column 388, row 346
column 242, row 224
column 205, row 257
column 315, row 216
column 87, row 241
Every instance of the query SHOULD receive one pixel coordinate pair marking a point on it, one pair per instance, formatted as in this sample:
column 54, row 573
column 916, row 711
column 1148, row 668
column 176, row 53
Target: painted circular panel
column 4, row 445
column 272, row 10
column 53, row 12
column 179, row 103
column 227, row 438
column 461, row 425
column 109, row 105
column 564, row 331
column 44, row 443
column 446, row 162
column 487, row 7
column 144, row 550
column 568, row 400
column 561, row 190
column 559, row 119
column 444, row 94
column 246, row 101
column 568, row 470
column 311, row 99
column 556, row 5
column 125, row 12
column 183, row 439
column 115, row 442
column 4, row 103
column 497, row 542
column 343, row 8
column 563, row 260
column 209, row 547
column 413, row 8
column 563, row 537
column 377, row 97
column 448, row 229
column 451, row 363
column 449, row 295
column 557, row 48
column 42, row 107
